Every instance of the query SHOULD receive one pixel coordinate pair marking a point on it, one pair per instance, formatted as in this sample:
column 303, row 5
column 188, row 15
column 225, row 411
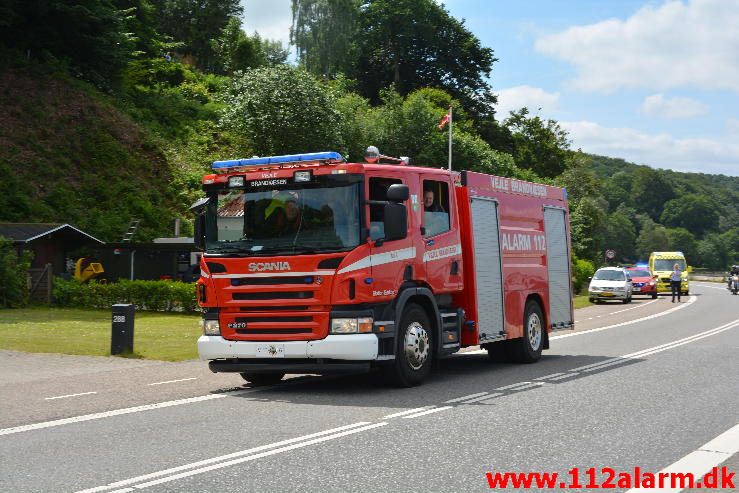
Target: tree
column 696, row 213
column 196, row 23
column 617, row 190
column 282, row 110
column 652, row 238
column 13, row 268
column 620, row 235
column 651, row 189
column 539, row 145
column 578, row 180
column 416, row 43
column 90, row 34
column 587, row 228
column 682, row 240
column 324, row 33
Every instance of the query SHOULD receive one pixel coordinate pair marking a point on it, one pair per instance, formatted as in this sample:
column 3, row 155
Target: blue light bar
column 642, row 266
column 290, row 158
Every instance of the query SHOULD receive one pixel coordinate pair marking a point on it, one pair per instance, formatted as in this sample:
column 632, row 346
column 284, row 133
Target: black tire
column 414, row 349
column 527, row 349
column 654, row 296
column 262, row 378
column 592, row 300
column 598, row 302
column 627, row 300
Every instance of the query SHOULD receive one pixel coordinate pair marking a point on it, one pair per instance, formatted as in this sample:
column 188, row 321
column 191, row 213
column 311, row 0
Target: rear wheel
column 527, row 349
column 414, row 349
column 262, row 378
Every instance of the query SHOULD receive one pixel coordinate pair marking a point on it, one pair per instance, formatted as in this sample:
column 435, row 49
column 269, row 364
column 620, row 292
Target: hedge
column 158, row 296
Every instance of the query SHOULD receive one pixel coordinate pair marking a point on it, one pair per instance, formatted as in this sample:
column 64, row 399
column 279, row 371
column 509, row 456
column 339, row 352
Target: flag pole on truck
column 444, row 120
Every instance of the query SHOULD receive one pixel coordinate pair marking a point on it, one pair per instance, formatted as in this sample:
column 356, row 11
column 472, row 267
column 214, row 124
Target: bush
column 13, row 273
column 581, row 270
column 158, row 296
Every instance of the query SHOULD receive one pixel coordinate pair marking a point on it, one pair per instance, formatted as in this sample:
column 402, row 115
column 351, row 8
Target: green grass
column 581, row 301
column 160, row 336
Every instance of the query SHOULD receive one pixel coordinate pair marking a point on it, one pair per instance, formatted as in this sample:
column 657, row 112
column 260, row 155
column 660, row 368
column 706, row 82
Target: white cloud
column 676, row 44
column 271, row 19
column 700, row 155
column 658, row 105
column 514, row 98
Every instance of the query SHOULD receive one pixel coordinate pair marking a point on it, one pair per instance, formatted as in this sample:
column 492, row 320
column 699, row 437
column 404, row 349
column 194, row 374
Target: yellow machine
column 87, row 268
column 661, row 265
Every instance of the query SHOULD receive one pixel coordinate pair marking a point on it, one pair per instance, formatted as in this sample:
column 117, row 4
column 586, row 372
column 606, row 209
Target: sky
column 652, row 82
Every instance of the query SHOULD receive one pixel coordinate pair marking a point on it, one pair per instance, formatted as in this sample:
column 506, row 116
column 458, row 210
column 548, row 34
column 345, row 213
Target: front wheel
column 262, row 378
column 654, row 296
column 527, row 349
column 413, row 350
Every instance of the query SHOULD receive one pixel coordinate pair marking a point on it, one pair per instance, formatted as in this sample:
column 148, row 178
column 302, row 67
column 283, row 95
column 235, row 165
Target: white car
column 610, row 283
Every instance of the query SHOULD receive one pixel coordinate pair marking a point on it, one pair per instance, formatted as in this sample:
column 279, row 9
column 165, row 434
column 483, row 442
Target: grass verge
column 581, row 301
column 160, row 336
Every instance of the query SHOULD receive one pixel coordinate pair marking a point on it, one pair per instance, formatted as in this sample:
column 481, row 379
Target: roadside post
column 121, row 340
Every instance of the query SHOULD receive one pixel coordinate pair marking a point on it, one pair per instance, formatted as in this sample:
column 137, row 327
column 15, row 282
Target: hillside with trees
column 113, row 110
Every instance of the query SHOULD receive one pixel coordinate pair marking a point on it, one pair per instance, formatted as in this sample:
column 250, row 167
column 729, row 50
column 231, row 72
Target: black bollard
column 121, row 340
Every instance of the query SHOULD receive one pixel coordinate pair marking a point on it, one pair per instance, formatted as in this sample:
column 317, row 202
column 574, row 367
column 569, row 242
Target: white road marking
column 409, row 411
column 512, row 386
column 118, row 412
column 68, row 395
column 547, row 377
column 634, row 307
column 702, row 460
column 531, row 385
column 480, row 399
column 656, row 349
column 430, row 411
column 200, row 467
column 562, row 377
column 471, row 396
column 649, row 317
column 173, row 381
column 712, row 287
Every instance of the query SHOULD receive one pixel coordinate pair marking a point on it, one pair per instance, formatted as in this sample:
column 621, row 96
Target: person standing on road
column 675, row 280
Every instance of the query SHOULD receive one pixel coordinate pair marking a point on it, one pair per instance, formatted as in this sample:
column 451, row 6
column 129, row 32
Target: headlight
column 351, row 325
column 235, row 181
column 210, row 327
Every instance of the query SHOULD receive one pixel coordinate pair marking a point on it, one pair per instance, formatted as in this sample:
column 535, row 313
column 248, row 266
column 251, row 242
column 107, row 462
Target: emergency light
column 290, row 158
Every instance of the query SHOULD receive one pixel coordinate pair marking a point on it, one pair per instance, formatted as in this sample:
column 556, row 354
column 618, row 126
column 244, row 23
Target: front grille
column 281, row 308
column 271, row 281
column 247, row 320
column 283, row 295
column 248, row 331
column 638, row 284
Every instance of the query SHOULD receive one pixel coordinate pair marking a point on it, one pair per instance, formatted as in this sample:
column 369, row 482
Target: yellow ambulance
column 661, row 265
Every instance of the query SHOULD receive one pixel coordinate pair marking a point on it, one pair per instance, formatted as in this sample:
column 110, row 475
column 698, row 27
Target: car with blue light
column 643, row 281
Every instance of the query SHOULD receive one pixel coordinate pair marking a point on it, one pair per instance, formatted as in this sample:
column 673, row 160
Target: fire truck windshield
column 323, row 215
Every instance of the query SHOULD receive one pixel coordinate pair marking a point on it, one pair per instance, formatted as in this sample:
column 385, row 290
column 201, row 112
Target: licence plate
column 607, row 294
column 271, row 351
column 636, row 290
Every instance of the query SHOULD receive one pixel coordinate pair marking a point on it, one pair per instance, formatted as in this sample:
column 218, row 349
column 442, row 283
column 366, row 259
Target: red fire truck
column 315, row 265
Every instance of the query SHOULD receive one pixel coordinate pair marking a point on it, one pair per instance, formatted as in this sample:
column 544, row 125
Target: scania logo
column 262, row 266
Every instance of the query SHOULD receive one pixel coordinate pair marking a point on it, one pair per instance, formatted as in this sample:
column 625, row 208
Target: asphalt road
column 650, row 386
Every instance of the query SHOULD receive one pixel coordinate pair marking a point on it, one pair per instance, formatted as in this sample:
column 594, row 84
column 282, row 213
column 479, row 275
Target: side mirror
column 397, row 193
column 200, row 231
column 590, row 278
column 198, row 208
column 396, row 220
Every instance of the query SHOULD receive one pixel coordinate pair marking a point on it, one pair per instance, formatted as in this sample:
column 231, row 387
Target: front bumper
column 352, row 347
column 608, row 295
column 664, row 287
